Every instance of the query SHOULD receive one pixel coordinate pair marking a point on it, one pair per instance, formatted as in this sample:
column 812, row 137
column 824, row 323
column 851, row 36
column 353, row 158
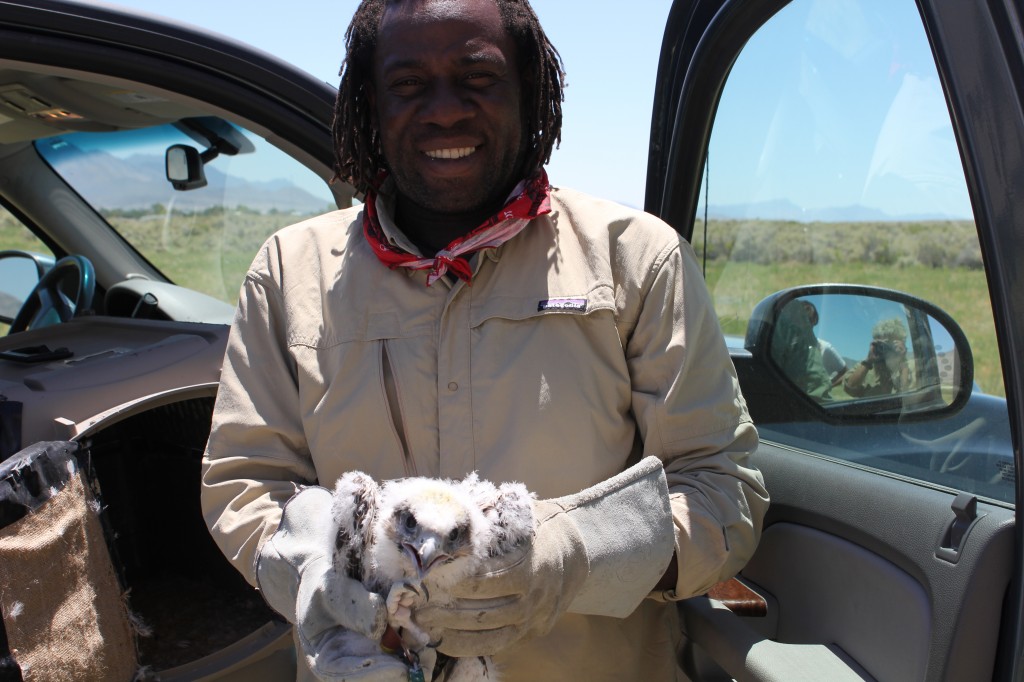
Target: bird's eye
column 410, row 522
column 454, row 535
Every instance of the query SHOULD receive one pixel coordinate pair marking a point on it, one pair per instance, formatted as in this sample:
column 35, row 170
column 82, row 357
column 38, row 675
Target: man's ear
column 527, row 84
column 526, row 78
column 371, row 98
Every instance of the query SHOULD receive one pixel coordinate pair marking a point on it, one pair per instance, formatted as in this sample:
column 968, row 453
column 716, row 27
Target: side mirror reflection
column 863, row 350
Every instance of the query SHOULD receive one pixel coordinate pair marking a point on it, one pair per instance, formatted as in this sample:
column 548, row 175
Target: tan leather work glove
column 598, row 552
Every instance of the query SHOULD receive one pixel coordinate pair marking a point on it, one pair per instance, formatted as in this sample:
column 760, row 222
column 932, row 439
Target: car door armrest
column 748, row 656
column 739, row 598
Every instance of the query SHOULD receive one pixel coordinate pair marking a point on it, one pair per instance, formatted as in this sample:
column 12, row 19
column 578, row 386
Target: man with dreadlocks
column 469, row 316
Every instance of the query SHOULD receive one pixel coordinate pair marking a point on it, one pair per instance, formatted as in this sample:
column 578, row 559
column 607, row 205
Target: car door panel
column 849, row 564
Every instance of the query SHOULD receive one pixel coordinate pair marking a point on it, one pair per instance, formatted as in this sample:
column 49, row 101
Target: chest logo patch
column 575, row 305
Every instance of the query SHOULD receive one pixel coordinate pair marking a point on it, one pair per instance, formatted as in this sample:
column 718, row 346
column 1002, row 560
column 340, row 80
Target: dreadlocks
column 359, row 159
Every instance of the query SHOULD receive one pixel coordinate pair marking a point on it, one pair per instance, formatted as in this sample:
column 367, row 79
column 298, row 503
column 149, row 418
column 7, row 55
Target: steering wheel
column 66, row 288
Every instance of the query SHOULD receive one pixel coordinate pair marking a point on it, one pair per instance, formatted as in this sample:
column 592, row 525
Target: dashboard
column 56, row 380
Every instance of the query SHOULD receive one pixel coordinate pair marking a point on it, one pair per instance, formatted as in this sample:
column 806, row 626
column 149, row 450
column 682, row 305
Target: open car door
column 849, row 173
column 107, row 120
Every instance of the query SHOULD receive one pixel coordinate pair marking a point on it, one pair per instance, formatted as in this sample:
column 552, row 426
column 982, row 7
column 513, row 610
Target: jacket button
column 453, row 386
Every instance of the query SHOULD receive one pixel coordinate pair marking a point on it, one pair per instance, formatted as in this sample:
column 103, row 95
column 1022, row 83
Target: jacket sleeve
column 257, row 454
column 691, row 414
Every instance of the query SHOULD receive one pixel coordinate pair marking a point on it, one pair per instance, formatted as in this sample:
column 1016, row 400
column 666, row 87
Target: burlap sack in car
column 62, row 606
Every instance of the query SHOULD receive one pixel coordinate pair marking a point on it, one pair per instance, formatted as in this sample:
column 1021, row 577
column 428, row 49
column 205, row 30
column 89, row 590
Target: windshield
column 202, row 238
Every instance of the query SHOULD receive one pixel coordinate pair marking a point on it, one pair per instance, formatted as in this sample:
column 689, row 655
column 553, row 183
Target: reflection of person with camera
column 797, row 351
column 885, row 370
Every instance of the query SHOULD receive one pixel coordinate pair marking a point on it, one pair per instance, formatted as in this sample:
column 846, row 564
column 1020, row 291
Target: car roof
column 111, row 44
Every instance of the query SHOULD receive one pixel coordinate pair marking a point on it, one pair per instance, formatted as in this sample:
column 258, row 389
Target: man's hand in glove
column 330, row 610
column 598, row 552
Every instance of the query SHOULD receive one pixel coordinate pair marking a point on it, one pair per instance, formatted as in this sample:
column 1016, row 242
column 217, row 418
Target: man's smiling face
column 446, row 93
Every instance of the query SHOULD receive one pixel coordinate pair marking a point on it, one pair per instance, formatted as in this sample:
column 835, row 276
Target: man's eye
column 480, row 79
column 405, row 84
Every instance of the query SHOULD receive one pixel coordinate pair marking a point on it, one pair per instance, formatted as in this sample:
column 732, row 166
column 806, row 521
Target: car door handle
column 965, row 515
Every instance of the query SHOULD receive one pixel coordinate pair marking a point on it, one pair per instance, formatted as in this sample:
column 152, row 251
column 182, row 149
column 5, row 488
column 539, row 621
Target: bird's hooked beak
column 424, row 553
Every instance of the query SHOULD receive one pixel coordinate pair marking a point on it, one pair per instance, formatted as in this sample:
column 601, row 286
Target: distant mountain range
column 786, row 210
column 138, row 182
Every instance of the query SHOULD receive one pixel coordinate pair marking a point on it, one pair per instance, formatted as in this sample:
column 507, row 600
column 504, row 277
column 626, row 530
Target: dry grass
column 748, row 260
column 937, row 262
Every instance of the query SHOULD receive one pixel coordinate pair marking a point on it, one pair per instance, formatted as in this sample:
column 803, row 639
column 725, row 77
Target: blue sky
column 610, row 55
column 833, row 108
column 836, row 106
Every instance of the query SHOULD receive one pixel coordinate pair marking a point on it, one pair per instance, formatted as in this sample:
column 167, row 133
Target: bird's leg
column 402, row 597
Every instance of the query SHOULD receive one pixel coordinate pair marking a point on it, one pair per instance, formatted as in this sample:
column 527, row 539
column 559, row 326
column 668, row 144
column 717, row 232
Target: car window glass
column 202, row 238
column 15, row 236
column 833, row 160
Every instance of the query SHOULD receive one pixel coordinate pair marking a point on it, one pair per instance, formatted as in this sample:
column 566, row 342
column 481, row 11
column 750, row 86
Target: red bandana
column 531, row 201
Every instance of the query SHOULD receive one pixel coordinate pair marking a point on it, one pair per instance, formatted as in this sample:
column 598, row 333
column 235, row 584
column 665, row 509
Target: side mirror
column 856, row 351
column 184, row 166
column 20, row 271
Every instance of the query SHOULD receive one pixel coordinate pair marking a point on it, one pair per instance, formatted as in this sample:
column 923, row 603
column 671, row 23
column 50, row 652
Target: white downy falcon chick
column 415, row 538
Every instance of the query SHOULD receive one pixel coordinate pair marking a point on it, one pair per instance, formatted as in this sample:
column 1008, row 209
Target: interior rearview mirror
column 184, row 166
column 185, row 163
column 854, row 350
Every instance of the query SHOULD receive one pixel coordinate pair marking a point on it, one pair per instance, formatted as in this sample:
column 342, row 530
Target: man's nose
column 447, row 104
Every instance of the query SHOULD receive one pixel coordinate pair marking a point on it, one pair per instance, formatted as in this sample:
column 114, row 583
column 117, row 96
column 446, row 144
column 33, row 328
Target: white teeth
column 455, row 153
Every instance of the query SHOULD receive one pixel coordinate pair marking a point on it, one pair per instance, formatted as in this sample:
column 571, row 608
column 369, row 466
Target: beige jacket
column 584, row 342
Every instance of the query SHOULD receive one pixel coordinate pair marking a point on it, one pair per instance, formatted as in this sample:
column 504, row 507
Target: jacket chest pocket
column 545, row 329
column 355, row 411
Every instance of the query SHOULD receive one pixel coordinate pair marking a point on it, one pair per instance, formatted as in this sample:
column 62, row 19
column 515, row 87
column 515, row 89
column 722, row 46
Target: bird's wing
column 355, row 504
column 509, row 509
